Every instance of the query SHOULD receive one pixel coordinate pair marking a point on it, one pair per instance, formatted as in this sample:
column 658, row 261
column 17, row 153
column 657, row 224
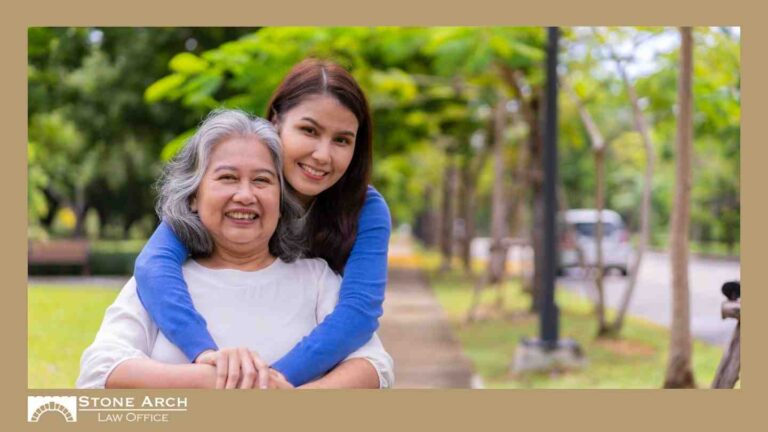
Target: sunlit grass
column 637, row 360
column 62, row 321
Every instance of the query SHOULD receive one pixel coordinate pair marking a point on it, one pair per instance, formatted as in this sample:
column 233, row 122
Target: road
column 652, row 298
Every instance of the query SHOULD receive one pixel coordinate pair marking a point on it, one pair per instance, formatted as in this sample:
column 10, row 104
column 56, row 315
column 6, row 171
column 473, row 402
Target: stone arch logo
column 65, row 406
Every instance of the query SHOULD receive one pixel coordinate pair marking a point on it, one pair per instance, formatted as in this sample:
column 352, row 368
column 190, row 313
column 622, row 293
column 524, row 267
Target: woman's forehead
column 242, row 153
column 325, row 109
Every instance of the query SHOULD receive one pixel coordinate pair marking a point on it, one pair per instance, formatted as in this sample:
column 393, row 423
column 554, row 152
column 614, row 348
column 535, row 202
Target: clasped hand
column 242, row 369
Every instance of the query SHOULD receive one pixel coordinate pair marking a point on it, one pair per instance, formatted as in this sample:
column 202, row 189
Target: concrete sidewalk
column 416, row 333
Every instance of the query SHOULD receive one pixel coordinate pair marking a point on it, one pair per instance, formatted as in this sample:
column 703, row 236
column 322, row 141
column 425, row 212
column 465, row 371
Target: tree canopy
column 108, row 106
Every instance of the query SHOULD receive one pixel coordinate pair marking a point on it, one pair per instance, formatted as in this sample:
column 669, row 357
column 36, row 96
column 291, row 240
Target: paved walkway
column 416, row 332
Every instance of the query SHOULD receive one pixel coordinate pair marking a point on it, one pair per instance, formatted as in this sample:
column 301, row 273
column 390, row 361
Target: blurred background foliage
column 109, row 106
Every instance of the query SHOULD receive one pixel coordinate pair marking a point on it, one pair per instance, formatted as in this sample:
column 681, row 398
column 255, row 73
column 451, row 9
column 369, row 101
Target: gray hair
column 182, row 176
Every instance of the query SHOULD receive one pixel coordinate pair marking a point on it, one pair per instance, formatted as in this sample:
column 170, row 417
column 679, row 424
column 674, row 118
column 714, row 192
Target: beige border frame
column 410, row 409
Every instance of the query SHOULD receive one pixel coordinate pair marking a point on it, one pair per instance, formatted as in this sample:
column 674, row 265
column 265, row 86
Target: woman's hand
column 277, row 380
column 237, row 368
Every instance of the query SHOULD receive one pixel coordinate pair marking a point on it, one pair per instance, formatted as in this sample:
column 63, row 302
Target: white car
column 577, row 236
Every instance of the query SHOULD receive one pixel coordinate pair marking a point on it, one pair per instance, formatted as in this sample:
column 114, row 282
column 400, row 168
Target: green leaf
column 188, row 63
column 199, row 90
column 164, row 88
column 175, row 145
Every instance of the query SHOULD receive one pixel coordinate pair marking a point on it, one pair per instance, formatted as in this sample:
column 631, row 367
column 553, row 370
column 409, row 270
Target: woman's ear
column 193, row 205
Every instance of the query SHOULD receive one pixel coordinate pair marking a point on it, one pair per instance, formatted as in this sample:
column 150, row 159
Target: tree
column 529, row 99
column 642, row 127
column 447, row 212
column 598, row 148
column 497, row 259
column 37, row 181
column 679, row 371
column 98, row 142
column 426, row 87
column 474, row 157
column 606, row 40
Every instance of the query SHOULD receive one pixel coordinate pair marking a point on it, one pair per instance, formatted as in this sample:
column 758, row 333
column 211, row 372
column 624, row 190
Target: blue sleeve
column 165, row 295
column 355, row 317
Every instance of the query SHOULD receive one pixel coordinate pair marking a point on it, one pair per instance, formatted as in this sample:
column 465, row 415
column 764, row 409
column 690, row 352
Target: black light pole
column 548, row 352
column 549, row 315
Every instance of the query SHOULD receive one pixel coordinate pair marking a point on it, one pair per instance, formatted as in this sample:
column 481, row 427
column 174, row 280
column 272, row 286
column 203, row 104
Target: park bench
column 60, row 252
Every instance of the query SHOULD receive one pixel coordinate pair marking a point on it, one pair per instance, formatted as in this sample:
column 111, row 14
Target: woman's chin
column 307, row 191
column 242, row 240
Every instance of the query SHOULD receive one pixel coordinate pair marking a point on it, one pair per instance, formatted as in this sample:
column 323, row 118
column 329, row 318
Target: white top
column 269, row 311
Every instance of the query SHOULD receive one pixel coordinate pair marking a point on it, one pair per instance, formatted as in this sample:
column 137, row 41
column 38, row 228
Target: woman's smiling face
column 318, row 137
column 238, row 199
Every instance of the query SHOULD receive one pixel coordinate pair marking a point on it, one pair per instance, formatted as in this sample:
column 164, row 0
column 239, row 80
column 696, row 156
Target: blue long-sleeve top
column 165, row 296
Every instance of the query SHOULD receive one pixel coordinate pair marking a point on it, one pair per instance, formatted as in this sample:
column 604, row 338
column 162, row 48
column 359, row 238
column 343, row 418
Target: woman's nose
column 322, row 153
column 245, row 194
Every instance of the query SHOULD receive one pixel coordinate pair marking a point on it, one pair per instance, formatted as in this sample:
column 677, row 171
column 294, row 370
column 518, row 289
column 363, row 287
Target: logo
column 106, row 409
column 65, row 406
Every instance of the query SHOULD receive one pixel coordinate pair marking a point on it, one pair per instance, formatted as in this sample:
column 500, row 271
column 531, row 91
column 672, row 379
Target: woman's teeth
column 240, row 215
column 312, row 170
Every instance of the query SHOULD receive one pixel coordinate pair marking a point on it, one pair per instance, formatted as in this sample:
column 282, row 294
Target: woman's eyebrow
column 255, row 171
column 317, row 125
column 264, row 171
column 224, row 168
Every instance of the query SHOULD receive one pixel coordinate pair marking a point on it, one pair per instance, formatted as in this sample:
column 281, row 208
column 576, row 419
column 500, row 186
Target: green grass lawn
column 637, row 360
column 62, row 322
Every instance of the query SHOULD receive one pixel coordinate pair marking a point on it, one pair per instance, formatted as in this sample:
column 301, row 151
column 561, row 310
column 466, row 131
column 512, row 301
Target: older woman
column 223, row 195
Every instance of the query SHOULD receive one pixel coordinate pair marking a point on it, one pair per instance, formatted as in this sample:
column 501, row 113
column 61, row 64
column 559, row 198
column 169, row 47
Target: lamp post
column 549, row 314
column 548, row 352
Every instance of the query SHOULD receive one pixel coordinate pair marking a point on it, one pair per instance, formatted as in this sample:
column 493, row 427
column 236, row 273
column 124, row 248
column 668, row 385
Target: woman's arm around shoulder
column 165, row 295
column 370, row 366
column 355, row 318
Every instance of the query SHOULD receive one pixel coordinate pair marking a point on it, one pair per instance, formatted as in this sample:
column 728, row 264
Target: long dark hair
column 332, row 223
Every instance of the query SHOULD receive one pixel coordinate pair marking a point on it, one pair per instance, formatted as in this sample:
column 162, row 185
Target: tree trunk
column 679, row 371
column 497, row 258
column 447, row 214
column 516, row 199
column 498, row 251
column 425, row 228
column 467, row 207
column 531, row 110
column 499, row 246
column 599, row 268
column 645, row 234
column 80, row 209
column 470, row 171
column 641, row 126
column 598, row 150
